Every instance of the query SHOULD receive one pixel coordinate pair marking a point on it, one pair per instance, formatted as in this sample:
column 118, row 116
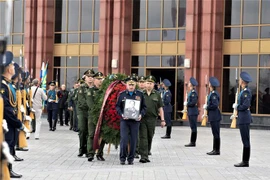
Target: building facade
column 220, row 38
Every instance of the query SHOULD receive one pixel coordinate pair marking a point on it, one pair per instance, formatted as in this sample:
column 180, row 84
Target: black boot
column 12, row 173
column 54, row 125
column 216, row 147
column 168, row 133
column 50, row 124
column 193, row 139
column 16, row 158
column 245, row 158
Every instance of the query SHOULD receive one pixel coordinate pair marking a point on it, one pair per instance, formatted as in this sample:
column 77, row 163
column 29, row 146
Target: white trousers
column 38, row 121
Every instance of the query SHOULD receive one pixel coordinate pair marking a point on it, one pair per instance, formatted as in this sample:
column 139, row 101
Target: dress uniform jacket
column 167, row 108
column 244, row 101
column 192, row 103
column 213, row 107
column 9, row 97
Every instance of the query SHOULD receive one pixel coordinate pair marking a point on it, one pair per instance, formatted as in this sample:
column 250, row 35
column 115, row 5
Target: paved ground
column 54, row 156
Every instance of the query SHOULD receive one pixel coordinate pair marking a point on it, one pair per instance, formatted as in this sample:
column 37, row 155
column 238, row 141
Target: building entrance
column 170, row 74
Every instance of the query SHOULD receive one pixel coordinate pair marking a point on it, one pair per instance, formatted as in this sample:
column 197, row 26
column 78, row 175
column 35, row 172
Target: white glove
column 234, row 106
column 204, row 116
column 233, row 116
column 25, row 129
column 28, row 135
column 22, row 109
column 205, row 106
column 4, row 125
column 183, row 111
column 185, row 103
column 6, row 152
column 28, row 118
column 49, row 100
column 32, row 110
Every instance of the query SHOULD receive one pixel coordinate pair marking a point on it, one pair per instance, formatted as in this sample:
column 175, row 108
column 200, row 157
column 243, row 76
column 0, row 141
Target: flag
column 41, row 70
column 44, row 80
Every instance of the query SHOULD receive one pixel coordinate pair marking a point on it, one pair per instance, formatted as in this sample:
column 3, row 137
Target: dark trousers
column 52, row 115
column 61, row 110
column 75, row 118
column 215, row 127
column 193, row 123
column 245, row 134
column 11, row 138
column 71, row 118
column 128, row 127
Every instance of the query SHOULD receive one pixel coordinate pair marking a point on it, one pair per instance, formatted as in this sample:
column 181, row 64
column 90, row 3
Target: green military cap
column 98, row 75
column 131, row 80
column 134, row 75
column 150, row 79
column 89, row 72
column 141, row 79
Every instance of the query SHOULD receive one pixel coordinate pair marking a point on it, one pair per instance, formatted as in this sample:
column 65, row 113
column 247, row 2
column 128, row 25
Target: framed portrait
column 132, row 109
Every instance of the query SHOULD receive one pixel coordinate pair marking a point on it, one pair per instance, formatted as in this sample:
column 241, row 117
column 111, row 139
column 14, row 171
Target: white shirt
column 39, row 97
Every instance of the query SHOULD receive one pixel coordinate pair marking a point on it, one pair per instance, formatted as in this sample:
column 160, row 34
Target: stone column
column 30, row 36
column 45, row 36
column 122, row 37
column 105, row 36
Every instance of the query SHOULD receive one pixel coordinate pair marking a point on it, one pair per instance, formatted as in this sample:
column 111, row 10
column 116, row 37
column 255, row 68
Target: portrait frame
column 132, row 109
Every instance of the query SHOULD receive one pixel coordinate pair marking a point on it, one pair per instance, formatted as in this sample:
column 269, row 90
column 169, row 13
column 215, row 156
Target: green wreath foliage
column 109, row 134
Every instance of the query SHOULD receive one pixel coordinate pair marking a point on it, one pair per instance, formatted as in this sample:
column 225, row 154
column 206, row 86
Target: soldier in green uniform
column 141, row 87
column 154, row 106
column 90, row 99
column 83, row 110
column 74, row 99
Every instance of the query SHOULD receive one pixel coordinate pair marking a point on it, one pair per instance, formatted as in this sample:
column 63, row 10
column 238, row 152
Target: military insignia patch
column 245, row 95
column 138, row 98
column 192, row 95
column 2, row 91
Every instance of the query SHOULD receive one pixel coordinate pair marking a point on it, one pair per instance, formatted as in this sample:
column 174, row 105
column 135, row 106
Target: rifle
column 184, row 111
column 20, row 115
column 205, row 117
column 235, row 112
column 4, row 172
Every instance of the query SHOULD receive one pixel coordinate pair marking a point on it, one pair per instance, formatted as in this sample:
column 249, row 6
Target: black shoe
column 166, row 137
column 80, row 154
column 130, row 163
column 70, row 128
column 242, row 164
column 36, row 138
column 147, row 160
column 190, row 145
column 28, row 138
column 136, row 156
column 21, row 149
column 100, row 158
column 53, row 129
column 66, row 124
column 143, row 161
column 149, row 154
column 16, row 158
column 122, row 162
column 91, row 158
column 61, row 125
column 50, row 129
column 214, row 152
column 14, row 175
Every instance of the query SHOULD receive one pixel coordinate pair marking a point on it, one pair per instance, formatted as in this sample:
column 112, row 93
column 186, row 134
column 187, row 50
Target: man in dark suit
column 63, row 105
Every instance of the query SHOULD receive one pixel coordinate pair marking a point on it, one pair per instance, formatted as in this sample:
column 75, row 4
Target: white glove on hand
column 49, row 100
column 28, row 135
column 6, row 152
column 204, row 116
column 205, row 106
column 28, row 118
column 22, row 109
column 32, row 110
column 185, row 103
column 234, row 106
column 4, row 125
column 232, row 116
column 25, row 129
